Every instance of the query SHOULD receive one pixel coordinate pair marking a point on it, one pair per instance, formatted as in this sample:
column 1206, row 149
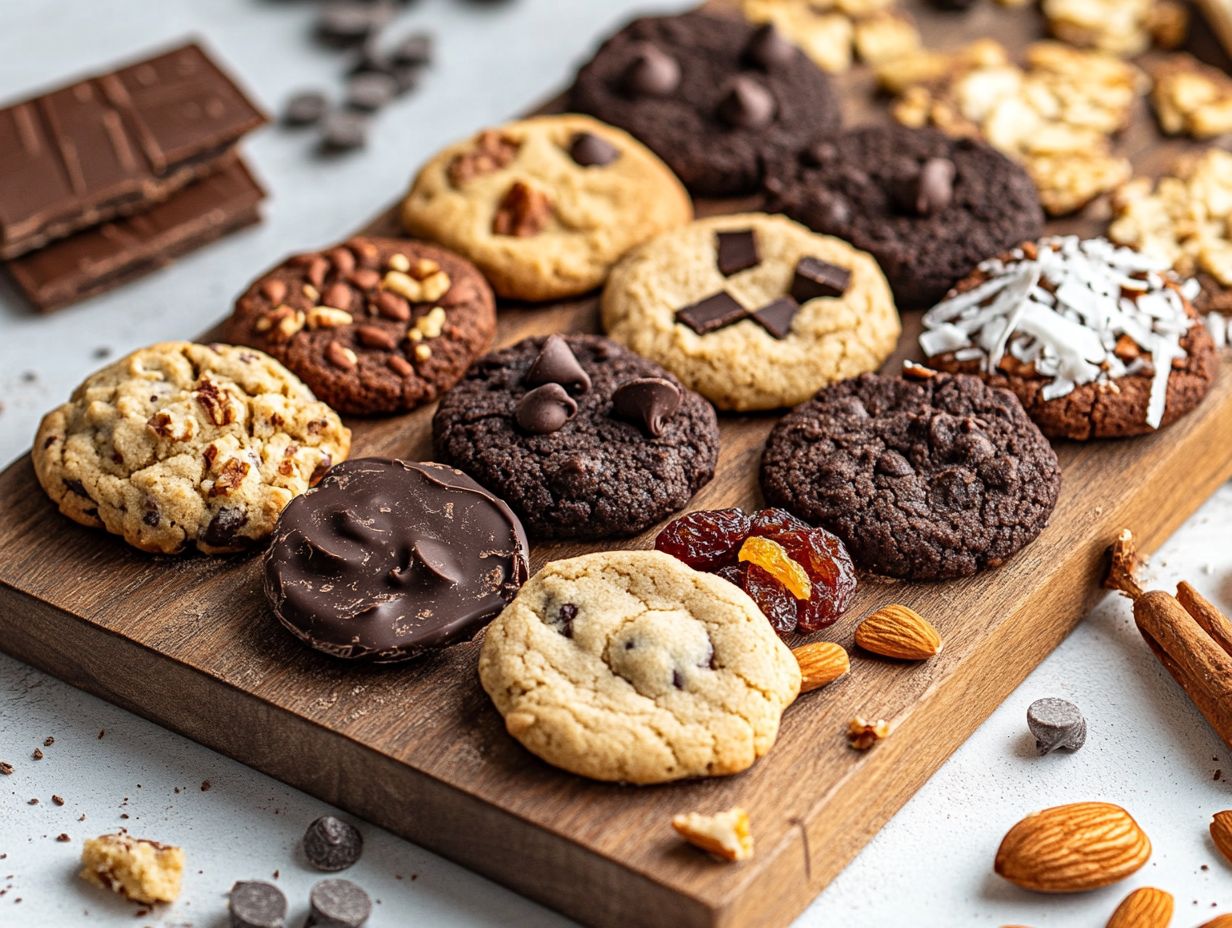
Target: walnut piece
column 1191, row 98
column 522, row 212
column 492, row 151
column 726, row 835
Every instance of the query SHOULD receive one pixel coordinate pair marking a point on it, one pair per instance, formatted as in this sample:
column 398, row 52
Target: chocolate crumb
column 63, row 837
column 58, row 800
column 81, row 817
column 205, row 786
column 48, row 741
column 123, row 815
column 101, row 732
column 32, row 802
column 1218, row 775
column 38, row 754
column 6, row 768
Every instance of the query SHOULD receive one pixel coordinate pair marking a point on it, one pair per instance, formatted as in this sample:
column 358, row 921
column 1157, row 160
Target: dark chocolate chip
column 545, row 409
column 557, row 364
column 748, row 104
column 151, row 517
column 677, row 679
column 564, row 619
column 647, row 402
column 712, row 313
column 305, row 108
column 737, row 251
column 775, row 317
column 224, row 527
column 1056, row 723
column 415, row 49
column 344, row 22
column 78, row 488
column 331, row 844
column 651, row 73
column 927, row 191
column 588, row 150
column 254, row 904
column 337, row 904
column 768, row 48
column 814, row 278
column 344, row 130
column 370, row 91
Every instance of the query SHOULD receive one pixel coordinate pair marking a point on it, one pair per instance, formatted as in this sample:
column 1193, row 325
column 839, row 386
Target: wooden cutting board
column 189, row 642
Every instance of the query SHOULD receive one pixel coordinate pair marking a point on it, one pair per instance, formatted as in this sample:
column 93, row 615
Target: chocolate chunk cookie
column 714, row 97
column 374, row 325
column 387, row 560
column 582, row 438
column 923, row 479
column 927, row 207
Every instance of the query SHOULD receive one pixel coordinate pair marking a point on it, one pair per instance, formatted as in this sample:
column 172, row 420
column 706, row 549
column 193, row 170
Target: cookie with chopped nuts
column 545, row 206
column 181, row 445
column 372, row 325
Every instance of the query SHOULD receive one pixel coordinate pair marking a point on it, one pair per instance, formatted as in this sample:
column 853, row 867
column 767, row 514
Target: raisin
column 772, row 598
column 705, row 540
column 773, row 558
column 829, row 566
column 773, row 522
column 732, row 574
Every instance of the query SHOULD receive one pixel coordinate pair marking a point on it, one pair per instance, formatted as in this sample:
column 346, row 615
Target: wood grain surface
column 190, row 643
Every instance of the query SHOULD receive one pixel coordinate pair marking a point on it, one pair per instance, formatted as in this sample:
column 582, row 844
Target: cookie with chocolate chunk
column 372, row 325
column 923, row 479
column 581, row 437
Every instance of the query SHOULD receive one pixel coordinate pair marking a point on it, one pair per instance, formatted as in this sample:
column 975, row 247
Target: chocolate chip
column 337, row 904
column 776, row 317
column 647, row 402
column 77, row 488
column 737, row 251
column 927, row 191
column 712, row 313
column 224, row 527
column 344, row 130
column 344, row 22
column 151, row 517
column 557, row 363
column 332, row 844
column 305, row 108
column 415, row 48
column 1056, row 723
column 815, row 278
column 747, row 104
column 589, row 150
column 768, row 48
column 567, row 613
column 651, row 73
column 254, row 904
column 545, row 409
column 677, row 679
column 370, row 91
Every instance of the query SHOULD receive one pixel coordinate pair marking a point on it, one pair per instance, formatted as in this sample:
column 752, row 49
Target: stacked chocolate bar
column 107, row 178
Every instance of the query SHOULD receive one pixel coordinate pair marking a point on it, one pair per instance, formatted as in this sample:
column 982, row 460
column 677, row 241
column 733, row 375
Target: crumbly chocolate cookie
column 922, row 479
column 545, row 206
column 929, row 208
column 386, row 560
column 181, row 444
column 373, row 325
column 581, row 437
column 630, row 666
column 752, row 311
column 1097, row 341
column 714, row 96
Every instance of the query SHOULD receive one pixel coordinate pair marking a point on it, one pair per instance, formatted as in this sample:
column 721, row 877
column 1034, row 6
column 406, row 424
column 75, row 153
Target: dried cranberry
column 829, row 566
column 773, row 522
column 705, row 540
column 772, row 598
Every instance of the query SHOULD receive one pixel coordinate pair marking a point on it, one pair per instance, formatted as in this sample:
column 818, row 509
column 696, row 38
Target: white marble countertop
column 931, row 866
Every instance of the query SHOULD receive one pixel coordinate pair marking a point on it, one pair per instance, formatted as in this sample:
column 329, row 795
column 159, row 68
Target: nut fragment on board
column 726, row 835
column 1221, row 833
column 821, row 662
column 863, row 734
column 1147, row 907
column 899, row 632
column 1191, row 98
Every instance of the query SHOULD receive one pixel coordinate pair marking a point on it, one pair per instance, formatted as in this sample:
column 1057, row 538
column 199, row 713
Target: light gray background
column 1147, row 749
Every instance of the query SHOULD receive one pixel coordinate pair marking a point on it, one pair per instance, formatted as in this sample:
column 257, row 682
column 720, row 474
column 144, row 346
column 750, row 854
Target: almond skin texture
column 899, row 632
column 1219, row 921
column 1143, row 908
column 1073, row 848
column 820, row 663
column 1221, row 833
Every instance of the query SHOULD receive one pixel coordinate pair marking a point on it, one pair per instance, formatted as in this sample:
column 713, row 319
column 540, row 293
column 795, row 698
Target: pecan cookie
column 630, row 666
column 545, row 206
column 374, row 325
column 181, row 444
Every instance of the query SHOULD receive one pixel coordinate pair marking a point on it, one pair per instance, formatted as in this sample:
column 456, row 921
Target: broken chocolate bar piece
column 712, row 313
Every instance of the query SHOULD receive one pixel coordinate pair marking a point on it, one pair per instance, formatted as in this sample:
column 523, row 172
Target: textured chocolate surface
column 386, row 560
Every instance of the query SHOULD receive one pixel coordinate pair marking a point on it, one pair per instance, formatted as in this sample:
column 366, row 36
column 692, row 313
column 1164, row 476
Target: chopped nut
column 522, row 212
column 432, row 323
column 422, row 352
column 862, row 734
column 1192, row 98
column 885, row 37
column 311, row 292
column 492, row 150
column 230, row 477
column 426, row 290
column 399, row 262
column 327, row 317
column 726, row 835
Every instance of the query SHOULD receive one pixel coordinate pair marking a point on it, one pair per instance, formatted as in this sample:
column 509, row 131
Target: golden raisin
column 772, row 557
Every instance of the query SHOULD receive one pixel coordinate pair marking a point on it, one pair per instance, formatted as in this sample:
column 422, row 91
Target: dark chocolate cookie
column 928, row 207
column 386, row 560
column 714, row 97
column 374, row 325
column 583, row 438
column 922, row 479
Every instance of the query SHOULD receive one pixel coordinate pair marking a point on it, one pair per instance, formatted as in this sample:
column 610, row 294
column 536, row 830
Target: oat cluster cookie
column 180, row 445
column 629, row 666
column 545, row 206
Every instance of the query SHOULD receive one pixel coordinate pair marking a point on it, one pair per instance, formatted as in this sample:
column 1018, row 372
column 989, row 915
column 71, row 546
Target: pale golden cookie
column 743, row 366
column 630, row 666
column 181, row 444
column 545, row 206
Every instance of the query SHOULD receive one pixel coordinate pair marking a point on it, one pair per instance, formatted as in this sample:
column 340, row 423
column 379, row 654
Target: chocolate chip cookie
column 714, row 96
column 582, row 438
column 929, row 208
column 924, row 479
column 373, row 325
column 545, row 206
column 387, row 560
column 180, row 445
column 630, row 666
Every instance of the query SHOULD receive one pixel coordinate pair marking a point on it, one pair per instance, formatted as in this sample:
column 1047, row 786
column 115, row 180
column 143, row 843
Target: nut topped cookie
column 545, row 206
column 180, row 445
column 714, row 96
column 629, row 666
column 373, row 325
column 1098, row 341
column 753, row 311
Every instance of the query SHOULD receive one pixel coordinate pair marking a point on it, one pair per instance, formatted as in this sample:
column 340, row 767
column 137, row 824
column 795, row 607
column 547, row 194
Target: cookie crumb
column 136, row 868
column 206, row 786
column 726, row 835
column 38, row 754
column 58, row 800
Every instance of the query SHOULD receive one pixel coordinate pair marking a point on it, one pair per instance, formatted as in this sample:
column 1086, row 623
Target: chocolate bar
column 114, row 144
column 105, row 256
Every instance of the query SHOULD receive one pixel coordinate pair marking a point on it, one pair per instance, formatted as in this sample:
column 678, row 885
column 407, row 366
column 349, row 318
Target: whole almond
column 1219, row 921
column 1221, row 833
column 1073, row 848
column 1143, row 908
column 896, row 631
column 820, row 663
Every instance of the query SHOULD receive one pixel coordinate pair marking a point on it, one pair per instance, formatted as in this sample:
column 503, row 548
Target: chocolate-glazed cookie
column 373, row 325
column 713, row 96
column 923, row 479
column 582, row 438
column 386, row 560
